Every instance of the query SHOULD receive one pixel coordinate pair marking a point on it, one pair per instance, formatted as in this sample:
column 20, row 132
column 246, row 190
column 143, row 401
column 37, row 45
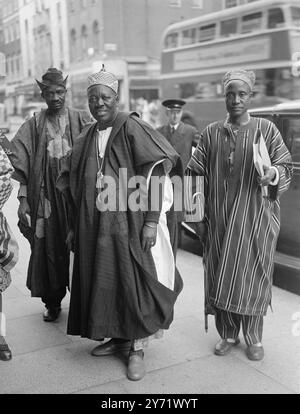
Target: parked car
column 286, row 116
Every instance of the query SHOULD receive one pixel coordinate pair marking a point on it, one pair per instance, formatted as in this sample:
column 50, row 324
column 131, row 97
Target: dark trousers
column 228, row 325
column 53, row 298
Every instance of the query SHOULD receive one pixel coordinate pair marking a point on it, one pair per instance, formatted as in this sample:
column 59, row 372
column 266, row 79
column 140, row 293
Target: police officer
column 182, row 137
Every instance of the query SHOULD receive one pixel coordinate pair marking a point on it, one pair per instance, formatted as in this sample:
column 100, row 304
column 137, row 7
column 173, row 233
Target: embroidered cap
column 240, row 74
column 53, row 76
column 104, row 78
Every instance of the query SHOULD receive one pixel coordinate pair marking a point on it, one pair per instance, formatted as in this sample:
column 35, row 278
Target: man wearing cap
column 182, row 137
column 39, row 149
column 242, row 213
column 125, row 282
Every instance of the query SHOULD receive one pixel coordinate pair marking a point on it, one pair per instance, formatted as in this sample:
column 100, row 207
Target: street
column 46, row 360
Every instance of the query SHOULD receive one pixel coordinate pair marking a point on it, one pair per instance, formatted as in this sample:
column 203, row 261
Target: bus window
column 207, row 32
column 251, row 22
column 295, row 16
column 275, row 18
column 189, row 36
column 229, row 27
column 171, row 41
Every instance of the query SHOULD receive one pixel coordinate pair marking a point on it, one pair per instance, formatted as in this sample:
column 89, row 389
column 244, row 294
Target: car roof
column 290, row 107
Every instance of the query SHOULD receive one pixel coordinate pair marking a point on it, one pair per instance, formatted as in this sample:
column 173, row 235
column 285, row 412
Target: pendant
column 99, row 182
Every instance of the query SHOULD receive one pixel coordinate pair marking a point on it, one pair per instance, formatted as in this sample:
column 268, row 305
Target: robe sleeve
column 85, row 118
column 148, row 146
column 194, row 181
column 280, row 159
column 22, row 152
column 198, row 162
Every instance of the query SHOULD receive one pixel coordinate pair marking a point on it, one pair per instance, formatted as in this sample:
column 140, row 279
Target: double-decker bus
column 263, row 36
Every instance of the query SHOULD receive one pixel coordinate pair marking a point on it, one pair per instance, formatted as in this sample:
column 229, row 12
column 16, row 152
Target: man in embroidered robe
column 38, row 151
column 242, row 223
column 125, row 282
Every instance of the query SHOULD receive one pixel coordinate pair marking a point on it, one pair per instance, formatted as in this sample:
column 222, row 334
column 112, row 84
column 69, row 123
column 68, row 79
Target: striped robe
column 243, row 226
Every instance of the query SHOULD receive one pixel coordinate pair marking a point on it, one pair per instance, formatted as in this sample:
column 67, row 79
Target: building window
column 197, row 4
column 73, row 45
column 230, row 3
column 72, row 6
column 96, row 39
column 84, row 39
column 175, row 3
column 58, row 11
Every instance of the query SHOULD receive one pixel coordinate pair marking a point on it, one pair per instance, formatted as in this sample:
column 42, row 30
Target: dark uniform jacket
column 182, row 140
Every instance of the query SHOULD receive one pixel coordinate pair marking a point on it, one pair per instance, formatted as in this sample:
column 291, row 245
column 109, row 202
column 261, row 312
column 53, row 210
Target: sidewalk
column 46, row 360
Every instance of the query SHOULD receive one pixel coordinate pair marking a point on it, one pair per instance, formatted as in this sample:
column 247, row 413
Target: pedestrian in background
column 38, row 151
column 125, row 282
column 8, row 245
column 242, row 224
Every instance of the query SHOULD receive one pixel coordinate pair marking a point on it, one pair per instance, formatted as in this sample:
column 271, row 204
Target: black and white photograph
column 149, row 200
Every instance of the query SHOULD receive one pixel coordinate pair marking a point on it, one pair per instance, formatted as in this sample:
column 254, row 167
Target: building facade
column 78, row 36
column 12, row 51
column 126, row 37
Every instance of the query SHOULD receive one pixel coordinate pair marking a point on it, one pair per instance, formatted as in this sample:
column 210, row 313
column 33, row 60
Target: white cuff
column 276, row 179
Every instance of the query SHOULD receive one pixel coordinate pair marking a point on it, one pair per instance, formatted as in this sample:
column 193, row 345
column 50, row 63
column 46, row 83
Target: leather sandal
column 255, row 352
column 136, row 369
column 224, row 347
column 5, row 352
column 111, row 347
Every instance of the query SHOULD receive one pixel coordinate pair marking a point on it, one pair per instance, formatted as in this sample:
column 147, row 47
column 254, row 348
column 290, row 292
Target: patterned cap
column 240, row 74
column 103, row 78
column 53, row 76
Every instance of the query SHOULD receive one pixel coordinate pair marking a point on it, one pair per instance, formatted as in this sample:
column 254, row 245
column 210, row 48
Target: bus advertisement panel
column 263, row 37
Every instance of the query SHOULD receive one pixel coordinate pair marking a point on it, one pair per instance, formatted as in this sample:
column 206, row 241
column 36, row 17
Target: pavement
column 47, row 361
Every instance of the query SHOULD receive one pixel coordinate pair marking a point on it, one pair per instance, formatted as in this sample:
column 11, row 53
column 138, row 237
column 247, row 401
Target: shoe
column 51, row 314
column 136, row 369
column 5, row 353
column 111, row 347
column 255, row 353
column 224, row 347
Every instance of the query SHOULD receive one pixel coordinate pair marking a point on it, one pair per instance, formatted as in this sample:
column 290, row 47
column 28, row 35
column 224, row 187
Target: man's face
column 238, row 97
column 55, row 97
column 103, row 103
column 174, row 115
